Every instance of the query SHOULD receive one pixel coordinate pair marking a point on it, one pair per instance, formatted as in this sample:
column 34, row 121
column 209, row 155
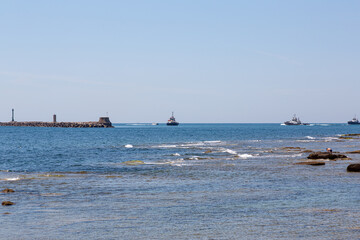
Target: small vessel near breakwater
column 172, row 121
column 295, row 121
column 354, row 121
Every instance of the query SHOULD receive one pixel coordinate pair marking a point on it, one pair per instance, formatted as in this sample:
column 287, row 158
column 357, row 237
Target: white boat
column 295, row 121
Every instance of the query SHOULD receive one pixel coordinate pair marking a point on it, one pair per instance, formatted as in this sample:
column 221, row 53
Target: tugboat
column 295, row 121
column 172, row 121
column 354, row 121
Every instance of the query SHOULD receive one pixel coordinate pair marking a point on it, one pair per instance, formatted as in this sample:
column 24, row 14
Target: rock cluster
column 325, row 155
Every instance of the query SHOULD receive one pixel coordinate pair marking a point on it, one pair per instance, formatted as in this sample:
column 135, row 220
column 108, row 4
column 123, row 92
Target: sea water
column 192, row 181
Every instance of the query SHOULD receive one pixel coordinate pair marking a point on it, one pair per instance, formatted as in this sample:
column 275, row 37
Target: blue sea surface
column 192, row 181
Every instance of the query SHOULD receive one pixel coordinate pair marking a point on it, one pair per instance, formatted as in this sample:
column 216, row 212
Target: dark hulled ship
column 172, row 121
column 354, row 121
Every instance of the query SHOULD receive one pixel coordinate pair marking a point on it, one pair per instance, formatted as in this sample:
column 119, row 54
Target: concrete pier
column 104, row 122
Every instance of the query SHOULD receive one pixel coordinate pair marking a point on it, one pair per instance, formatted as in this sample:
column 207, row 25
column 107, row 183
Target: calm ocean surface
column 192, row 181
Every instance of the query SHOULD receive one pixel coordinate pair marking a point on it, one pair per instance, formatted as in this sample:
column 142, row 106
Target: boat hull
column 292, row 124
column 172, row 123
column 296, row 124
column 353, row 123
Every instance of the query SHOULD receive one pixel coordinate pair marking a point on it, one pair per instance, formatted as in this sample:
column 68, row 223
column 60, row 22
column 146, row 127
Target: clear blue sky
column 208, row 61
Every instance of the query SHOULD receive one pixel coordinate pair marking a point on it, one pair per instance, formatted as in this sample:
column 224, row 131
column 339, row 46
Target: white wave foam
column 192, row 144
column 310, row 137
column 178, row 162
column 245, row 156
column 215, row 141
column 329, row 139
column 166, row 146
column 296, row 155
column 11, row 179
column 281, row 155
column 230, row 151
column 175, row 154
column 129, row 146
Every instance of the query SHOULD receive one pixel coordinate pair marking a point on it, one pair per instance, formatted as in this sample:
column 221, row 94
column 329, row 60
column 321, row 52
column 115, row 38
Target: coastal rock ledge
column 353, row 167
column 325, row 155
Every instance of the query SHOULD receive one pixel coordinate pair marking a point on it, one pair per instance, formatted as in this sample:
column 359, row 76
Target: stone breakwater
column 59, row 124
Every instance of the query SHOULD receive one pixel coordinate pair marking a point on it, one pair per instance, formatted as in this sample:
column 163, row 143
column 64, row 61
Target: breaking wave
column 229, row 151
column 165, row 146
column 212, row 141
column 11, row 179
column 245, row 156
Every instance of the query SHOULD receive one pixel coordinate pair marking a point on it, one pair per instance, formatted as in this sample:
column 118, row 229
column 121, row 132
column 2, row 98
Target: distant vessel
column 154, row 124
column 295, row 121
column 172, row 121
column 354, row 121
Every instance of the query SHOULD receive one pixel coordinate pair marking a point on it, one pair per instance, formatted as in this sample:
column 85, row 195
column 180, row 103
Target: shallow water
column 193, row 181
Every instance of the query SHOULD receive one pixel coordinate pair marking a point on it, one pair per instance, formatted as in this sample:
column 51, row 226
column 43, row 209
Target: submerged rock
column 7, row 203
column 353, row 167
column 7, row 190
column 292, row 149
column 354, row 152
column 307, row 151
column 325, row 155
column 133, row 162
column 312, row 163
column 351, row 134
column 52, row 175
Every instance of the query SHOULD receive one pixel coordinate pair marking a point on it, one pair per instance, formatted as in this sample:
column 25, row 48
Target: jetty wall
column 104, row 122
column 58, row 124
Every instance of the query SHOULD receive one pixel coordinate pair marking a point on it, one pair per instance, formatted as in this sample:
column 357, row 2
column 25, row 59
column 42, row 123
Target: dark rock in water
column 325, row 155
column 7, row 203
column 307, row 151
column 312, row 163
column 7, row 190
column 354, row 152
column 352, row 134
column 353, row 167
